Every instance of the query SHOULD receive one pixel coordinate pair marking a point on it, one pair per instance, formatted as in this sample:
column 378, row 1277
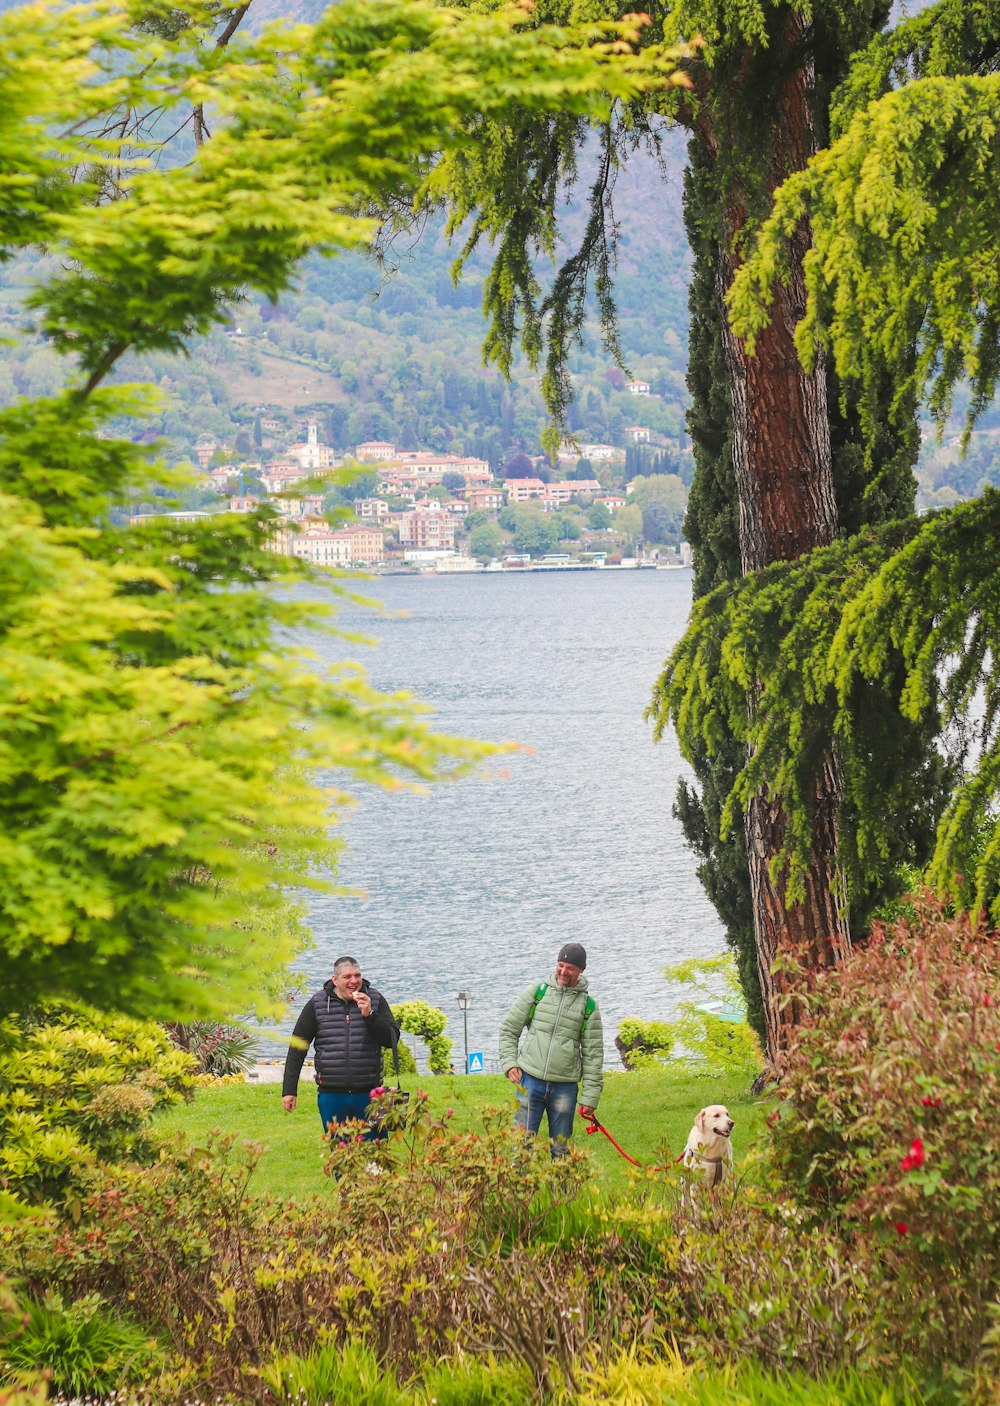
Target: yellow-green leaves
column 856, row 643
column 904, row 273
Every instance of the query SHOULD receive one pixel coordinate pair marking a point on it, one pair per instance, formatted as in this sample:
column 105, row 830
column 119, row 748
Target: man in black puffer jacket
column 350, row 1024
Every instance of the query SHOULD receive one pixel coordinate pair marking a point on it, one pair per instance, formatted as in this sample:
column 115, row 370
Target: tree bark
column 787, row 506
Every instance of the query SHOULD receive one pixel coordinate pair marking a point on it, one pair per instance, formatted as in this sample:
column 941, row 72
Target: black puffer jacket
column 348, row 1047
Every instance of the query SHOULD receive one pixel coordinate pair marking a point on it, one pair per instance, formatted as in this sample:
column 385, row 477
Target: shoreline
column 538, row 570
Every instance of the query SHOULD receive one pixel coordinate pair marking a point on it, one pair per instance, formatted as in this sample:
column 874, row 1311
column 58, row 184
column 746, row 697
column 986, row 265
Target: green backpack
column 540, row 990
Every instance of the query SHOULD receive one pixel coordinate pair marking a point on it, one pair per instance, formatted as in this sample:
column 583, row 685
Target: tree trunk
column 782, row 463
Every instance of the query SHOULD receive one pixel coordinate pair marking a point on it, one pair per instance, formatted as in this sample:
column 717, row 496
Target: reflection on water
column 476, row 885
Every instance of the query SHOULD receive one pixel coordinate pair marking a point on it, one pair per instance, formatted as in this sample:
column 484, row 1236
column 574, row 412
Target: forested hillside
column 395, row 352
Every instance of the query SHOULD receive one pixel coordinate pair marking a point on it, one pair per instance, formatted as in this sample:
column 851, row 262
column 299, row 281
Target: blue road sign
column 476, row 1062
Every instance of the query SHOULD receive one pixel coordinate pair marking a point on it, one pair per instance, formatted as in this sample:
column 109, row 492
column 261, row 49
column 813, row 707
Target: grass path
column 642, row 1111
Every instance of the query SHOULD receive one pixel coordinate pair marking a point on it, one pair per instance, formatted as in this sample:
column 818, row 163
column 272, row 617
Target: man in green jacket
column 563, row 1051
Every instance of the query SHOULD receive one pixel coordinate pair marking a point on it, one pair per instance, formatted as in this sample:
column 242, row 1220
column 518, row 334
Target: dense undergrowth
column 852, row 1259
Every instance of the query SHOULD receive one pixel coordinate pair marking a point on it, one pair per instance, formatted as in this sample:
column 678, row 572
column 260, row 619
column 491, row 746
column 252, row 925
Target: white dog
column 708, row 1150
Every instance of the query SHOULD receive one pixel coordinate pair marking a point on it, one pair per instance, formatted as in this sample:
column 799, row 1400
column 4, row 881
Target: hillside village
column 391, row 508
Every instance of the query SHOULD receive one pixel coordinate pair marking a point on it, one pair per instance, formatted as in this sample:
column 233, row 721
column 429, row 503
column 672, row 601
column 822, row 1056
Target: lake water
column 475, row 885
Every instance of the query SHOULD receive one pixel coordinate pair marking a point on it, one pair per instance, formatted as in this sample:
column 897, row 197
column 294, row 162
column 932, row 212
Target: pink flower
column 901, row 1228
column 377, row 1093
column 449, row 1113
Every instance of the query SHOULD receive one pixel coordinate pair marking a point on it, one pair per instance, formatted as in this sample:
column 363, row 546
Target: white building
column 313, row 456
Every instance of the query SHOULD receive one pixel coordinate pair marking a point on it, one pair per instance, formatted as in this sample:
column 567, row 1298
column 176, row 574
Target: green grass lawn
column 641, row 1111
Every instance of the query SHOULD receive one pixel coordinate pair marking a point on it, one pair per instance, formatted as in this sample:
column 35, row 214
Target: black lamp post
column 464, row 1002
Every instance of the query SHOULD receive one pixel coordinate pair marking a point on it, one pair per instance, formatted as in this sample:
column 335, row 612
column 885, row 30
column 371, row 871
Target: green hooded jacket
column 554, row 1047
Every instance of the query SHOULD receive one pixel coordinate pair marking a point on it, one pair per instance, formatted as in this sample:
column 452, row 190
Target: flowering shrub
column 469, row 1244
column 889, row 1123
column 77, row 1086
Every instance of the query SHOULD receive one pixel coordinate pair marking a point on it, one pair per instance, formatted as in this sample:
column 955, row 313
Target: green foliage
column 710, row 1043
column 25, row 1387
column 903, row 214
column 77, row 1087
column 485, row 540
column 505, row 188
column 159, row 747
column 469, row 1382
column 426, row 1021
column 750, row 1386
column 446, row 1207
column 86, row 1351
column 696, row 1038
column 896, row 623
column 337, row 1374
column 533, row 528
column 219, row 1049
column 662, row 490
column 777, row 631
column 649, row 1108
column 628, row 521
column 883, row 1114
column 470, row 1246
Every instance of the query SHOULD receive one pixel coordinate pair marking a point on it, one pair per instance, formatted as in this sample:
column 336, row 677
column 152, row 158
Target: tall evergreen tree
column 760, row 79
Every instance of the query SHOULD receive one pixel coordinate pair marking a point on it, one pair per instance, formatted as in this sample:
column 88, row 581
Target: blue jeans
column 337, row 1108
column 556, row 1101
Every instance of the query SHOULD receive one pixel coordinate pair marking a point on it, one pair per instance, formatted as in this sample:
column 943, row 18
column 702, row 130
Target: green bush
column 334, row 1374
column 77, row 1086
column 426, row 1021
column 19, row 1386
column 749, row 1386
column 84, row 1350
column 885, row 1124
column 477, row 1382
column 696, row 1038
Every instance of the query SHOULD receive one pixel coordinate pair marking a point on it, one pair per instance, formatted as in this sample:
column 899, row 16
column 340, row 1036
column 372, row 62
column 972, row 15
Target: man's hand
column 288, row 1102
column 514, row 1075
column 363, row 1002
column 586, row 1111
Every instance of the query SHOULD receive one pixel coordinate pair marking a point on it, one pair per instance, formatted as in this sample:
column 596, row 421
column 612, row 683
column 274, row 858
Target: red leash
column 596, row 1127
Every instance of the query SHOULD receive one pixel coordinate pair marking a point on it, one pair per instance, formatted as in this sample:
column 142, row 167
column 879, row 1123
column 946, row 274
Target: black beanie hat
column 573, row 953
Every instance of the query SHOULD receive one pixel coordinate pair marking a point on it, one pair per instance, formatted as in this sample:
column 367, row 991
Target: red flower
column 914, row 1159
column 902, row 1228
column 929, row 1102
column 986, row 1000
